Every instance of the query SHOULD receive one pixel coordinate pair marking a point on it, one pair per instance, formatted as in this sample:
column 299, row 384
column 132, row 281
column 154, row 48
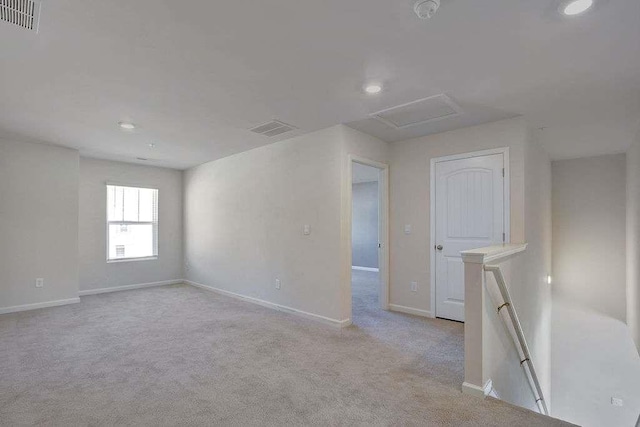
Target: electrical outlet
column 407, row 229
column 414, row 286
column 277, row 283
column 39, row 283
column 616, row 401
column 306, row 230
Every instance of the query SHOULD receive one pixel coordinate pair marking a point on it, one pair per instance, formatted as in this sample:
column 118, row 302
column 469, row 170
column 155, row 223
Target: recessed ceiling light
column 127, row 125
column 576, row 7
column 372, row 89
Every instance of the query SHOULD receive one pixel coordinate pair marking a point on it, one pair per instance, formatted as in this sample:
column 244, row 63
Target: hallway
column 593, row 359
column 434, row 345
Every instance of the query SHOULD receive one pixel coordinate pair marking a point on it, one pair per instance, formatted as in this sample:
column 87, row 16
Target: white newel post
column 474, row 295
column 473, row 306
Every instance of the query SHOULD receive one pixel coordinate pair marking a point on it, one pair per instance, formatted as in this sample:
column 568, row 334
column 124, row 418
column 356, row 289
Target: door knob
column 439, row 247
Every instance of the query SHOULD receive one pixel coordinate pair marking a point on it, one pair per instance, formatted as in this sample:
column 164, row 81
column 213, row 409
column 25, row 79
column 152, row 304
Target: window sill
column 119, row 260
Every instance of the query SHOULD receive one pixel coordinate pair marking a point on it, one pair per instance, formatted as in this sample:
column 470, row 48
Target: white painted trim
column 477, row 391
column 274, row 306
column 355, row 267
column 432, row 204
column 119, row 260
column 492, row 253
column 492, row 392
column 26, row 307
column 488, row 387
column 128, row 287
column 368, row 162
column 410, row 310
column 471, row 154
column 130, row 185
column 383, row 222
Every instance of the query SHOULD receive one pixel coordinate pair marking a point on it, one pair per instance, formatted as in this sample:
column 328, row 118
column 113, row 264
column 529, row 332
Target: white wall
column 533, row 296
column 38, row 223
column 410, row 187
column 525, row 275
column 244, row 218
column 95, row 272
column 589, row 208
column 530, row 198
column 633, row 240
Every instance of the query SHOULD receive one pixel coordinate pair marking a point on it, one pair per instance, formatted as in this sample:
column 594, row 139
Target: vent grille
column 419, row 112
column 23, row 13
column 273, row 128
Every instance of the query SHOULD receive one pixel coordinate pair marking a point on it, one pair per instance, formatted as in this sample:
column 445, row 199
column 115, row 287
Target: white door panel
column 469, row 214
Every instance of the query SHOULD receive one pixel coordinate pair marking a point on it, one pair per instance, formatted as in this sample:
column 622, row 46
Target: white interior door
column 470, row 208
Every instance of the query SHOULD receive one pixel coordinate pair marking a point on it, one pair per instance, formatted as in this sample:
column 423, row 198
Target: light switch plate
column 414, row 286
column 306, row 230
column 407, row 229
column 277, row 283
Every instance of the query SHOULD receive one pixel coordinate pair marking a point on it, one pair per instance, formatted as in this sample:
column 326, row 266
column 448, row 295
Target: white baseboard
column 477, row 391
column 38, row 305
column 316, row 317
column 409, row 310
column 492, row 391
column 355, row 267
column 128, row 287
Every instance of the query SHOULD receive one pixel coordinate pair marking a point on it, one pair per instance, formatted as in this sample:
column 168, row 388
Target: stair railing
column 521, row 343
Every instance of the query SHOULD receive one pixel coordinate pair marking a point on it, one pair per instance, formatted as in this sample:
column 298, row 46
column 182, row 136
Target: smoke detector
column 425, row 9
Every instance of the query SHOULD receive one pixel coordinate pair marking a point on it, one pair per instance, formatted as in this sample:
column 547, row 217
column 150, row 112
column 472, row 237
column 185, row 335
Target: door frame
column 432, row 207
column 383, row 225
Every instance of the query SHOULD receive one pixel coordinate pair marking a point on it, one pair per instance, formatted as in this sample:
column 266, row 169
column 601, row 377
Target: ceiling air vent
column 273, row 128
column 23, row 13
column 419, row 112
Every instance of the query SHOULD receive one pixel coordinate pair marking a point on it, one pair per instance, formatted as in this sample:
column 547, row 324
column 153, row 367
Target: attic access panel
column 419, row 112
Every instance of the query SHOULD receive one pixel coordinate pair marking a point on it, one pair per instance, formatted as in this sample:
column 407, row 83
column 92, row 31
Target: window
column 132, row 223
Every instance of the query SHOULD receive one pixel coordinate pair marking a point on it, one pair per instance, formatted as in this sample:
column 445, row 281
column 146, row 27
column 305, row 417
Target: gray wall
column 589, row 233
column 38, row 223
column 364, row 231
column 95, row 272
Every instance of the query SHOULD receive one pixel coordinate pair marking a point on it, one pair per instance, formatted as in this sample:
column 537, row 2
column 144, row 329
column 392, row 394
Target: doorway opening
column 369, row 257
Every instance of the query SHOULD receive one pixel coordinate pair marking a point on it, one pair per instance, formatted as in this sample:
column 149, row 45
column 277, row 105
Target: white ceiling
column 196, row 74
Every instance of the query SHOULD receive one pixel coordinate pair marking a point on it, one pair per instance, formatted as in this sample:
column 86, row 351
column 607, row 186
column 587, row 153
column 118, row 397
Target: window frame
column 155, row 225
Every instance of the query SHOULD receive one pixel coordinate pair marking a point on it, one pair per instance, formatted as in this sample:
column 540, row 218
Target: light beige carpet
column 178, row 355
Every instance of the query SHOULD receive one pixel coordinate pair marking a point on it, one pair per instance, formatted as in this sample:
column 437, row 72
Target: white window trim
column 108, row 223
column 117, row 260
